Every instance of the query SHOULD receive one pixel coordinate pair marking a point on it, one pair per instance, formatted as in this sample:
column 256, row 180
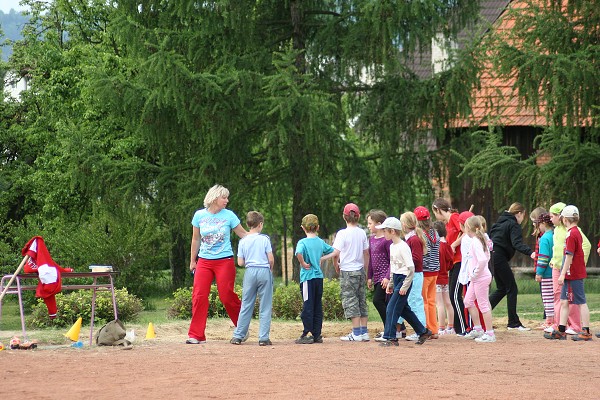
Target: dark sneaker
column 305, row 340
column 246, row 336
column 318, row 339
column 598, row 335
column 582, row 337
column 424, row 336
column 265, row 342
column 389, row 343
column 556, row 335
column 235, row 340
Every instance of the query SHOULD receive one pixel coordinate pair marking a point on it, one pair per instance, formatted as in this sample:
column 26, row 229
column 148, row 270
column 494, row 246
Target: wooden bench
column 107, row 282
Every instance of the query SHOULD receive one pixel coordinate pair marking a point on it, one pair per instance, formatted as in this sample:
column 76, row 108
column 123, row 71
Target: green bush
column 180, row 306
column 332, row 300
column 287, row 302
column 79, row 304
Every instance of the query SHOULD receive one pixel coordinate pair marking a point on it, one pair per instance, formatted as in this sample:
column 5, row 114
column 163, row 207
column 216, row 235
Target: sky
column 6, row 5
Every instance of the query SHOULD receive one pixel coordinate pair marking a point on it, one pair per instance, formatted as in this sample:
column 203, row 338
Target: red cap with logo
column 422, row 213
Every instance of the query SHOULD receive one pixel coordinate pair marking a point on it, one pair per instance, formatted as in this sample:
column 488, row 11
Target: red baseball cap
column 464, row 216
column 351, row 207
column 422, row 213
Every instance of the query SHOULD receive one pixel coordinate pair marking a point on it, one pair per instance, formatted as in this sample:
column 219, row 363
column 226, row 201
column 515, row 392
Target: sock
column 562, row 328
column 586, row 329
column 478, row 328
column 363, row 330
column 356, row 331
column 490, row 332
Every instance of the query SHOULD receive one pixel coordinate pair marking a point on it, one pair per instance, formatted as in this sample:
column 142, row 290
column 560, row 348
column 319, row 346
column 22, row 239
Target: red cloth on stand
column 49, row 272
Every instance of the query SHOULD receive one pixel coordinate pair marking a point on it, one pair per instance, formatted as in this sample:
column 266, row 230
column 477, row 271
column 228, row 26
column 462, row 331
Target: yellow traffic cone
column 150, row 334
column 73, row 333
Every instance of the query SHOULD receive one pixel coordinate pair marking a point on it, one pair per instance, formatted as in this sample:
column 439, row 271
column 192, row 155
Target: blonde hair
column 409, row 223
column 214, row 193
column 473, row 224
column 483, row 222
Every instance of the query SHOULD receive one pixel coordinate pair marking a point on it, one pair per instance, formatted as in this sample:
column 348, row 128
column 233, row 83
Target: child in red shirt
column 571, row 279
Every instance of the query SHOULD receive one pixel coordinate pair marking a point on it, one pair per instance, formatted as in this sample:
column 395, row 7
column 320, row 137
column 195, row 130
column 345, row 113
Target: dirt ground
column 520, row 365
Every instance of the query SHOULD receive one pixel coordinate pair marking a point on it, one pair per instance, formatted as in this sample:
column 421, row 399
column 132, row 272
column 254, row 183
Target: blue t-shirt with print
column 215, row 232
column 312, row 249
column 254, row 249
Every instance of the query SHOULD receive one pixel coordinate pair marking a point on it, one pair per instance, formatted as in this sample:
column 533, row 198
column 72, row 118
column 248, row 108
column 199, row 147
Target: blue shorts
column 573, row 292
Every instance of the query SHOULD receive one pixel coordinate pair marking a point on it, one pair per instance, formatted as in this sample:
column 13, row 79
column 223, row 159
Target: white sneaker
column 570, row 331
column 365, row 337
column 380, row 339
column 519, row 328
column 485, row 338
column 441, row 332
column 450, row 331
column 474, row 334
column 351, row 337
column 401, row 334
column 549, row 329
column 413, row 338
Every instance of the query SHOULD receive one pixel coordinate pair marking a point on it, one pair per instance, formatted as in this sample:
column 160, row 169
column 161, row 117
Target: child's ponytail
column 473, row 224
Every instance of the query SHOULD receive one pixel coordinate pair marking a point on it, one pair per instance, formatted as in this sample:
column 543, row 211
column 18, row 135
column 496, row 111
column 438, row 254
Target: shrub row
column 287, row 302
column 79, row 304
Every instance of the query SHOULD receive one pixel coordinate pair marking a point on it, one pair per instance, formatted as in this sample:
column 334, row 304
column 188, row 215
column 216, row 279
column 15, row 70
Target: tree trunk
column 276, row 245
column 178, row 260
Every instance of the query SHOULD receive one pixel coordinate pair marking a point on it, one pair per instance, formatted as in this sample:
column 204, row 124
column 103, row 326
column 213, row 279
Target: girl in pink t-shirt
column 480, row 276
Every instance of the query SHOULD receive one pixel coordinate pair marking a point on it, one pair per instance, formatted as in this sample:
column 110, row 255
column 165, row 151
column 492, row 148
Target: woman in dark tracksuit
column 507, row 236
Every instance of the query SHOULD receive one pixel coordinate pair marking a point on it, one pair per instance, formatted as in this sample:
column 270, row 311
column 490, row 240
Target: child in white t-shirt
column 351, row 259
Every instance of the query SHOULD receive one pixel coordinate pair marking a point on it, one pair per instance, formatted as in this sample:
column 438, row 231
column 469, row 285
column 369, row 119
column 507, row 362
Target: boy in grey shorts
column 351, row 259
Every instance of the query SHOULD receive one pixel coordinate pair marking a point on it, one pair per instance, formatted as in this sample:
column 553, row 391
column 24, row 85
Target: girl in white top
column 402, row 270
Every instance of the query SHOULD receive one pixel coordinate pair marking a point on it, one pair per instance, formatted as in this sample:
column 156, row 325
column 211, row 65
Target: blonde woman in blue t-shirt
column 211, row 257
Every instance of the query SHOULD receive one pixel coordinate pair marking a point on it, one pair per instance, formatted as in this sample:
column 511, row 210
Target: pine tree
column 297, row 106
column 553, row 53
